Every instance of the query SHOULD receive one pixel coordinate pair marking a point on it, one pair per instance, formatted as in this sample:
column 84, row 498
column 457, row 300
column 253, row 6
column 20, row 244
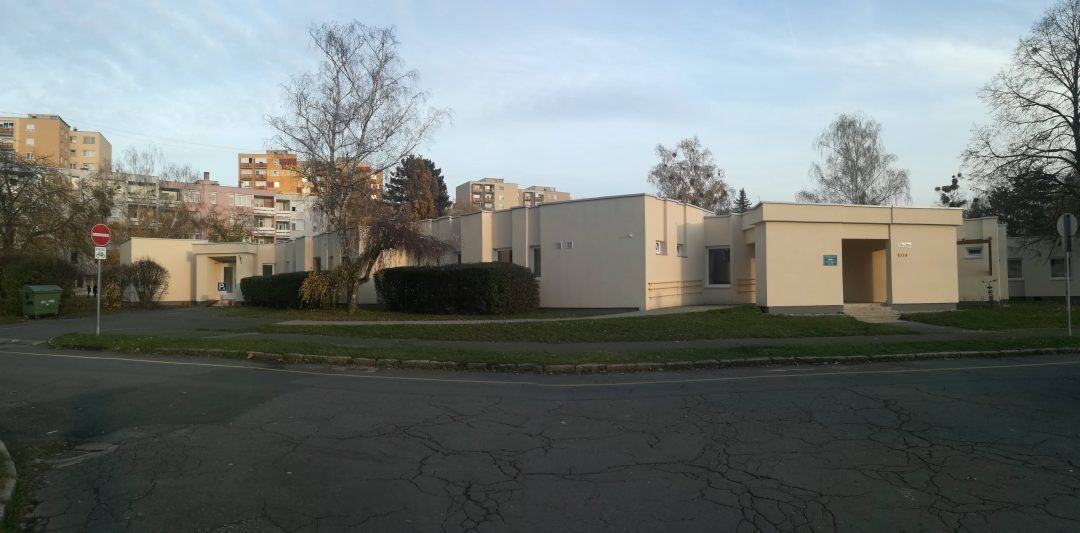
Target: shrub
column 278, row 290
column 16, row 271
column 477, row 288
column 321, row 288
column 149, row 280
column 112, row 296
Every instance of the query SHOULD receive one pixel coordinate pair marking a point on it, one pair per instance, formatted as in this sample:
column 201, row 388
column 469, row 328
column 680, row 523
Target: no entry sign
column 100, row 234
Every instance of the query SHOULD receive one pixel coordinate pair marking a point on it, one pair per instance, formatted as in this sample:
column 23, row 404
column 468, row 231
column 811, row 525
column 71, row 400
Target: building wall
column 177, row 256
column 89, row 150
column 990, row 267
column 42, row 137
column 673, row 277
column 922, row 274
column 1037, row 280
column 473, row 195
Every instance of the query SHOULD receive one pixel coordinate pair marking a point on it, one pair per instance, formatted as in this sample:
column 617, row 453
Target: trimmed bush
column 278, row 290
column 475, row 288
column 16, row 271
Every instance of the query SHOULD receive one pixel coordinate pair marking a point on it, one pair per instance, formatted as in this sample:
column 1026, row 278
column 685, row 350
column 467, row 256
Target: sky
column 570, row 94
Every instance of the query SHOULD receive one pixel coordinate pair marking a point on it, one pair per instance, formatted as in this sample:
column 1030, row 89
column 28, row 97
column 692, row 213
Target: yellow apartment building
column 279, row 170
column 492, row 194
column 50, row 138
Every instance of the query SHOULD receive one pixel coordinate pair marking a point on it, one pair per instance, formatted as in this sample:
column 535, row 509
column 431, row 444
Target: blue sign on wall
column 829, row 260
column 221, row 286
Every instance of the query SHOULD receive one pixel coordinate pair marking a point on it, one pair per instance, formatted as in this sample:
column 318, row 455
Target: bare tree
column 1033, row 140
column 688, row 174
column 857, row 169
column 355, row 117
column 37, row 204
column 229, row 225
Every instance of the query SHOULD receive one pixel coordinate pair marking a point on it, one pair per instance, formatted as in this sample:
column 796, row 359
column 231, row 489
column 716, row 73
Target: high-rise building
column 275, row 170
column 49, row 138
column 489, row 194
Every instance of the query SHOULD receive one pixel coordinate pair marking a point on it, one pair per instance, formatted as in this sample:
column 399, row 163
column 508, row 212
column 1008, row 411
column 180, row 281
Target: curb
column 7, row 471
column 595, row 368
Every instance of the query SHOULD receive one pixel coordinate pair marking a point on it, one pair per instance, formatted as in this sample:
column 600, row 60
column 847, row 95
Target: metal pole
column 97, row 331
column 1068, row 273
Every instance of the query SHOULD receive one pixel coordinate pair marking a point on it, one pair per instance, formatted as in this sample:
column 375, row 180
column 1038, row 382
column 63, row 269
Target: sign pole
column 1068, row 273
column 97, row 331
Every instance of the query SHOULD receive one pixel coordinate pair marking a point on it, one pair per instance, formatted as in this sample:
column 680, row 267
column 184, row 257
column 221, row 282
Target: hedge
column 474, row 288
column 16, row 271
column 278, row 290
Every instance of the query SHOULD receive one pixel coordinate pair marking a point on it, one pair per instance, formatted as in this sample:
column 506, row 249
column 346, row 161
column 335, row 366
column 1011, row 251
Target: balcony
column 283, row 215
column 268, row 211
column 265, row 232
column 7, row 132
column 283, row 233
column 260, row 165
column 246, row 165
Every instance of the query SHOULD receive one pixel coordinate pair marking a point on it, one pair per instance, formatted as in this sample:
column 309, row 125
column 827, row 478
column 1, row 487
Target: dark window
column 318, row 264
column 536, row 261
column 1057, row 268
column 719, row 266
column 268, row 270
column 1016, row 269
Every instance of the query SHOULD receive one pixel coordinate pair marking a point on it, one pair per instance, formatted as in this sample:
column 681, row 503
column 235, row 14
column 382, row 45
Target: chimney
column 206, row 176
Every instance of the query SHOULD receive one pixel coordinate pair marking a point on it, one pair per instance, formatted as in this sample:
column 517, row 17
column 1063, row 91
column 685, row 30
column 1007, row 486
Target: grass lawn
column 1016, row 315
column 735, row 322
column 238, row 348
column 371, row 313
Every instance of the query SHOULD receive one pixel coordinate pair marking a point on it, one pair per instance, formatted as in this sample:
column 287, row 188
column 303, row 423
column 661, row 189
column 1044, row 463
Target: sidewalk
column 653, row 312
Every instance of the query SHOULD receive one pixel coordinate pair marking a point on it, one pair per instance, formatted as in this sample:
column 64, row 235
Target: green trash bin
column 41, row 300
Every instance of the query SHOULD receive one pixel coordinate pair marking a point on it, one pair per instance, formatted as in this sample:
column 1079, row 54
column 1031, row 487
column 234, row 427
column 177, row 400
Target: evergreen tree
column 742, row 203
column 418, row 185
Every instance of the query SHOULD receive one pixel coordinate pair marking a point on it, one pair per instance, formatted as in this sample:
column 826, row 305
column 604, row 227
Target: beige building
column 275, row 170
column 1037, row 269
column 982, row 257
column 643, row 252
column 50, row 138
column 492, row 194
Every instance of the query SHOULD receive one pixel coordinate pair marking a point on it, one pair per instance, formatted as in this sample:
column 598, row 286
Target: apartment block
column 490, row 194
column 274, row 170
column 50, row 138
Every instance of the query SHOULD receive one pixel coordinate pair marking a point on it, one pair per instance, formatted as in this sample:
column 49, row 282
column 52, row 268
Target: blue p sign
column 221, row 286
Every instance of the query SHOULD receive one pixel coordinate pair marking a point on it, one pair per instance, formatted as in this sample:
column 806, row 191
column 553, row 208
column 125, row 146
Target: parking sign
column 221, row 286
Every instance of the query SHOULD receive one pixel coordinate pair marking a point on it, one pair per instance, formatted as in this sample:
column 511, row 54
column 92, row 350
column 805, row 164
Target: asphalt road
column 187, row 444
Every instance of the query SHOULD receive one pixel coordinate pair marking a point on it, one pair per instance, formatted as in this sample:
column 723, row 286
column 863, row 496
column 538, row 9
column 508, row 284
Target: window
column 193, row 197
column 243, row 200
column 569, row 245
column 74, row 138
column 268, row 270
column 227, row 273
column 88, row 140
column 213, row 198
column 973, row 252
column 30, row 127
column 719, row 266
column 680, row 250
column 504, row 256
column 88, row 153
column 318, row 264
column 1057, row 268
column 30, row 141
column 1016, row 268
column 29, row 156
column 534, row 260
column 661, row 248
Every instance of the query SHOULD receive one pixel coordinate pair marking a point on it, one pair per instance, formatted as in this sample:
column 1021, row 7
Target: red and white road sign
column 100, row 234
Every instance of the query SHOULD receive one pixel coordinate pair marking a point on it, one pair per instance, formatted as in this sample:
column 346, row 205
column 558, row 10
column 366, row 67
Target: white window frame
column 730, row 269
column 973, row 251
column 680, row 249
column 660, row 248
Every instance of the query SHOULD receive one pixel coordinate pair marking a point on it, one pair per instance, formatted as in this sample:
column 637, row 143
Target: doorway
column 866, row 278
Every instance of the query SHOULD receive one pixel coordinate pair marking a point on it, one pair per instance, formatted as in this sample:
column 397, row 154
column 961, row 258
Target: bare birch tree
column 38, row 203
column 1033, row 139
column 856, row 168
column 688, row 174
column 356, row 116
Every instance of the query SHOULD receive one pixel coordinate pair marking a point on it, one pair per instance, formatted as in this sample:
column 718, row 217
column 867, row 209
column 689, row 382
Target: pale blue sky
column 572, row 94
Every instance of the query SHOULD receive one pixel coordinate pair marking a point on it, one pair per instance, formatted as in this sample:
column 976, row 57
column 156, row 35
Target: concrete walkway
column 653, row 312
